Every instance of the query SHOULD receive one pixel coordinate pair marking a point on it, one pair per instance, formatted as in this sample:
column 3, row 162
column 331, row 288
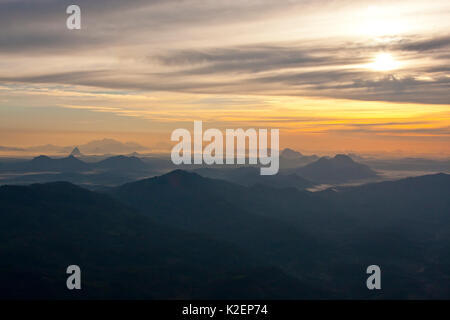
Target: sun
column 384, row 62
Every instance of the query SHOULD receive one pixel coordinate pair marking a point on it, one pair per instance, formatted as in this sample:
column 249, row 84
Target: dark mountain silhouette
column 339, row 169
column 289, row 153
column 110, row 146
column 44, row 163
column 249, row 176
column 134, row 154
column 76, row 152
column 111, row 171
column 122, row 254
column 73, row 164
column 100, row 147
column 292, row 159
column 122, row 163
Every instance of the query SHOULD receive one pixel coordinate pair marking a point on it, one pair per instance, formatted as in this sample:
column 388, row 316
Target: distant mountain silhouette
column 289, row 153
column 221, row 210
column 406, row 200
column 250, row 176
column 98, row 147
column 134, row 154
column 334, row 234
column 110, row 146
column 76, row 152
column 292, row 159
column 121, row 163
column 111, row 171
column 44, row 163
column 73, row 164
column 339, row 169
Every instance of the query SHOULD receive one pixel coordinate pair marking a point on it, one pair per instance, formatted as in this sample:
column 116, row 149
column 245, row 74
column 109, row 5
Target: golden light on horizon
column 384, row 62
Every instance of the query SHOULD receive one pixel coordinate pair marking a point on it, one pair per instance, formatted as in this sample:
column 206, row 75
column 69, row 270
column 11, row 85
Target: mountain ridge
column 113, row 244
column 339, row 169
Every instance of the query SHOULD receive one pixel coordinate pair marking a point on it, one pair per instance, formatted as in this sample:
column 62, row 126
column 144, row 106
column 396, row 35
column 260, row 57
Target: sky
column 334, row 76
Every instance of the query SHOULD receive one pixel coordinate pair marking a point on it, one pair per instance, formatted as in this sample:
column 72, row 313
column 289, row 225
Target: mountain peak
column 343, row 158
column 181, row 178
column 289, row 153
column 41, row 158
column 339, row 169
column 110, row 146
column 181, row 173
column 76, row 152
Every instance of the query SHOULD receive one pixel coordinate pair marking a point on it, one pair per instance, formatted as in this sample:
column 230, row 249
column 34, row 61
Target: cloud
column 41, row 25
column 140, row 45
column 346, row 83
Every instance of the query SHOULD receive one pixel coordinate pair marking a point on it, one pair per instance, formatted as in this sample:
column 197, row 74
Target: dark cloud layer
column 426, row 44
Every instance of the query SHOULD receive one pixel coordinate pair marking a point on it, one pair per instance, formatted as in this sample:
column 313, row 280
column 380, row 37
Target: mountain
column 250, row 176
column 111, row 171
column 289, row 153
column 99, row 147
column 76, row 152
column 339, row 169
column 405, row 201
column 115, row 164
column 122, row 254
column 292, row 159
column 110, row 146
